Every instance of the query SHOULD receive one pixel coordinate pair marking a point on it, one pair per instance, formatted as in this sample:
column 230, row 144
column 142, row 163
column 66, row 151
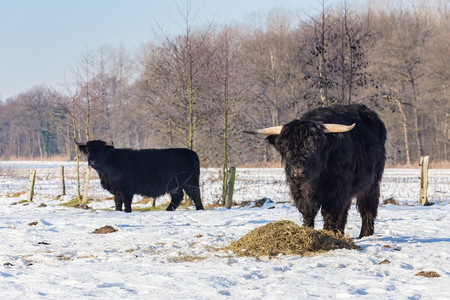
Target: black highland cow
column 149, row 172
column 327, row 164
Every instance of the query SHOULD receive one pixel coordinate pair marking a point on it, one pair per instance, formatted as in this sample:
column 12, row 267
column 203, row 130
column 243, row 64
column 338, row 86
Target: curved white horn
column 266, row 131
column 336, row 128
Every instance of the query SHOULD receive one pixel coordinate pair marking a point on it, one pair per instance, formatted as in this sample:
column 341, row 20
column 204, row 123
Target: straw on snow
column 286, row 237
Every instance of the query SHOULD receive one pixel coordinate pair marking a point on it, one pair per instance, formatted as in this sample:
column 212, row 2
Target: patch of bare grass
column 16, row 194
column 151, row 208
column 75, row 203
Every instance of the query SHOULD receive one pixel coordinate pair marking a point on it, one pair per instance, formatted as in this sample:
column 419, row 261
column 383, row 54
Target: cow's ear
column 82, row 149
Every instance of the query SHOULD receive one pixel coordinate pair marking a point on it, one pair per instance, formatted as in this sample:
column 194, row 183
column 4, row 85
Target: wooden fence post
column 423, row 199
column 86, row 185
column 230, row 188
column 63, row 183
column 31, row 189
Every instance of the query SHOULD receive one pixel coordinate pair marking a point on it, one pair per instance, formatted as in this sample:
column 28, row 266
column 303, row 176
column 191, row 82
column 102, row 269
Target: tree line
column 202, row 87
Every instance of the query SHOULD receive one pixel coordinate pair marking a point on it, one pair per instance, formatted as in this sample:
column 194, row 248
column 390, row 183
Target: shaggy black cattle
column 149, row 172
column 332, row 155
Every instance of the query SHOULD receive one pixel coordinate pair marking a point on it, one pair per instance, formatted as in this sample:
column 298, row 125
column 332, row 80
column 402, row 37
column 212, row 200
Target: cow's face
column 82, row 148
column 300, row 144
column 97, row 153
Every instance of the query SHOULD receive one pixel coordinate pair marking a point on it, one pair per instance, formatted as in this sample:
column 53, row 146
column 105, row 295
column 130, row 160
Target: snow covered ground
column 49, row 251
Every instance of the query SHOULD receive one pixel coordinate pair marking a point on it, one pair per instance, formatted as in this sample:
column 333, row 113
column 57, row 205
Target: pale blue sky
column 41, row 39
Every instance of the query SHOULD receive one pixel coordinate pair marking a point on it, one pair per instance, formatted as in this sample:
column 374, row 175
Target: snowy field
column 50, row 252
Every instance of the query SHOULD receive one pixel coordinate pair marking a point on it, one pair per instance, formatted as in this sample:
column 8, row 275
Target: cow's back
column 357, row 156
column 172, row 159
column 369, row 128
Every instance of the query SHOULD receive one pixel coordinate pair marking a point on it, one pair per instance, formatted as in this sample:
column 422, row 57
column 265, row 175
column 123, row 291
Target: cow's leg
column 194, row 194
column 330, row 218
column 122, row 199
column 341, row 221
column 127, row 202
column 309, row 210
column 118, row 200
column 306, row 204
column 367, row 203
column 308, row 219
column 334, row 212
column 192, row 189
column 177, row 197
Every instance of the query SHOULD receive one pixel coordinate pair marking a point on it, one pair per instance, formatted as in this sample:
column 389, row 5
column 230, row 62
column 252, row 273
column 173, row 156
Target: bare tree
column 355, row 35
column 176, row 77
column 227, row 94
column 271, row 55
column 402, row 61
column 199, row 88
column 29, row 124
column 318, row 40
column 437, row 59
column 93, row 90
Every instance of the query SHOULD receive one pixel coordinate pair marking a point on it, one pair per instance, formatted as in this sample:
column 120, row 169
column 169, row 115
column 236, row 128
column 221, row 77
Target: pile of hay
column 286, row 237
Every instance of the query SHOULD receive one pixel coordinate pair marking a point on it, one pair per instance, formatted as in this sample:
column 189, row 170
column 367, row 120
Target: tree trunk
column 446, row 136
column 77, row 153
column 417, row 132
column 39, row 145
column 225, row 136
column 323, row 84
column 405, row 132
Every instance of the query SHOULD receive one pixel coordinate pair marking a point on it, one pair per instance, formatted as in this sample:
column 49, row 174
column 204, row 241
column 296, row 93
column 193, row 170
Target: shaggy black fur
column 326, row 170
column 149, row 172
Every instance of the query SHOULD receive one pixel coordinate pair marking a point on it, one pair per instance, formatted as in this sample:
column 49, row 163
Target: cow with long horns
column 147, row 172
column 332, row 155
